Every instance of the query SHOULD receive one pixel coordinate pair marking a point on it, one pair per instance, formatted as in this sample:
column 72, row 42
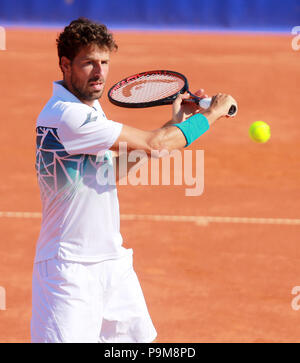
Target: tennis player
column 84, row 286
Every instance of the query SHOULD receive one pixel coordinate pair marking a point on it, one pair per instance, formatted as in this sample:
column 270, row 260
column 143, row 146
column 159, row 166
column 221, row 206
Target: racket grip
column 206, row 102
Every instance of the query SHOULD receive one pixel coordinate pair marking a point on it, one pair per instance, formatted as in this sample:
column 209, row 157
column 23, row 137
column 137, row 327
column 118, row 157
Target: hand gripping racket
column 154, row 88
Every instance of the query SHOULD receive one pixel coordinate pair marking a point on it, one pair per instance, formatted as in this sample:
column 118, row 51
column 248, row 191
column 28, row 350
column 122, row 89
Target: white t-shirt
column 81, row 220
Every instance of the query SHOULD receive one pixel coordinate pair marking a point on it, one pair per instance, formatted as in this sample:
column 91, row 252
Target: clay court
column 219, row 267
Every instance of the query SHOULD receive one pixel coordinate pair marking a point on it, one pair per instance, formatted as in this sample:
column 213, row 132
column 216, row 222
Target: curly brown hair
column 80, row 33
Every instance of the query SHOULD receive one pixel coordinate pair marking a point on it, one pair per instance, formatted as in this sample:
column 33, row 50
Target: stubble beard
column 82, row 94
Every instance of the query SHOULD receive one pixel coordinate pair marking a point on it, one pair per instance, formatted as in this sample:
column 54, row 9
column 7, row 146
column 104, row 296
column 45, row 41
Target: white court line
column 199, row 220
column 20, row 215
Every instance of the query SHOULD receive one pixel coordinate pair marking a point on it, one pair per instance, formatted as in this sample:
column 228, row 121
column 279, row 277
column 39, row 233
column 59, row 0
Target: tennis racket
column 155, row 88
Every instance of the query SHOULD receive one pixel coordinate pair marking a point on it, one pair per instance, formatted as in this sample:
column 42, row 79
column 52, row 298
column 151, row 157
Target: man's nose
column 98, row 70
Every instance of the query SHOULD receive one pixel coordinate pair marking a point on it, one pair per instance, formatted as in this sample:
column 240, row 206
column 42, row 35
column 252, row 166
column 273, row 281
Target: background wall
column 231, row 14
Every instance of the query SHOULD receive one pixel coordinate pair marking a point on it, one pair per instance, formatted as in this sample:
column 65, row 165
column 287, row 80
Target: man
column 84, row 285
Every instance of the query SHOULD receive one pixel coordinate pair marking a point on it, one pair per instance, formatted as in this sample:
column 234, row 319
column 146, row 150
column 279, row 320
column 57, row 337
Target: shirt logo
column 89, row 119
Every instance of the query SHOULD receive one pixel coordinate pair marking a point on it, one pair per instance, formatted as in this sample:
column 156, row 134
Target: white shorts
column 89, row 302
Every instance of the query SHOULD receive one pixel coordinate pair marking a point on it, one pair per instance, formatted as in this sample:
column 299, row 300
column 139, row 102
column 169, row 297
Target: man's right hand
column 221, row 104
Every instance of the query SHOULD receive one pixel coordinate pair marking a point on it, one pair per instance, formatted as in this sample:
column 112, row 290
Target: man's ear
column 65, row 64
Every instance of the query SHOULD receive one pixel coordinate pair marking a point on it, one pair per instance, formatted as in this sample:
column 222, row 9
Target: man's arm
column 169, row 137
column 182, row 111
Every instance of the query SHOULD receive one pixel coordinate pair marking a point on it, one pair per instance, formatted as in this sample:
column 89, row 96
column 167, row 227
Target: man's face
column 85, row 77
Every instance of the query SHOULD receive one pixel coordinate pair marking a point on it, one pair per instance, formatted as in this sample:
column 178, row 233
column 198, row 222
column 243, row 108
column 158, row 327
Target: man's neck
column 88, row 103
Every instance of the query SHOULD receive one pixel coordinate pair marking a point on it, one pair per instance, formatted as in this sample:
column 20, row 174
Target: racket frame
column 164, row 101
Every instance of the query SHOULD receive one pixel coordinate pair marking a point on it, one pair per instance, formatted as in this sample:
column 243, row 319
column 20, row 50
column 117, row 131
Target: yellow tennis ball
column 260, row 132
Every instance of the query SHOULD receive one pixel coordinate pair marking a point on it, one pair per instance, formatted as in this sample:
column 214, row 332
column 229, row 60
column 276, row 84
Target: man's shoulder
column 58, row 111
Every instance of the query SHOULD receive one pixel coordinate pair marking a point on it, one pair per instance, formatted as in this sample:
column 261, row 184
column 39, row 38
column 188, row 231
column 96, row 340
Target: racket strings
column 148, row 88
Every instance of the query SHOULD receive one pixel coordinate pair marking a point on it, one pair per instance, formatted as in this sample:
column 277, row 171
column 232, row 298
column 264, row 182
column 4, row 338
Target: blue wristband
column 193, row 127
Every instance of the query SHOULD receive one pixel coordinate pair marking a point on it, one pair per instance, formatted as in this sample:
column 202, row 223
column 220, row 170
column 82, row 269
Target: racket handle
column 206, row 102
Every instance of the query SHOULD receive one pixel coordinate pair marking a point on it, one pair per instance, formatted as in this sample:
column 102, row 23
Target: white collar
column 59, row 90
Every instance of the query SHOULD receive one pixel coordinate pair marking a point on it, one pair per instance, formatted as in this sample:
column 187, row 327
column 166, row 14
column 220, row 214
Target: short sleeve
column 84, row 131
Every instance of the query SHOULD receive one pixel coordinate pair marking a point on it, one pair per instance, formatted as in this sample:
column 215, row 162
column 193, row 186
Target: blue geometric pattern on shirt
column 90, row 119
column 56, row 169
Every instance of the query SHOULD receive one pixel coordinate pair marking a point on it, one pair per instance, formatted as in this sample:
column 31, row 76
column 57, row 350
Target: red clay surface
column 215, row 283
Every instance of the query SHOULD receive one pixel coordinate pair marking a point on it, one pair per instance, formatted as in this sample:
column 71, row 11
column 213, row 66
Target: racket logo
column 148, row 89
column 138, row 85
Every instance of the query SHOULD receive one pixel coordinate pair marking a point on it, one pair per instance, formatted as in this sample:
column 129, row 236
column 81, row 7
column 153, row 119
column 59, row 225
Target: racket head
column 148, row 89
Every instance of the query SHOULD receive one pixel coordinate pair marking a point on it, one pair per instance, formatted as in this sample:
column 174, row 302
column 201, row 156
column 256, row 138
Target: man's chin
column 87, row 95
column 93, row 96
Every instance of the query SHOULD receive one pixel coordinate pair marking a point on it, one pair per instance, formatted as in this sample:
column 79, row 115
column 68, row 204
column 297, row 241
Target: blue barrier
column 227, row 14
